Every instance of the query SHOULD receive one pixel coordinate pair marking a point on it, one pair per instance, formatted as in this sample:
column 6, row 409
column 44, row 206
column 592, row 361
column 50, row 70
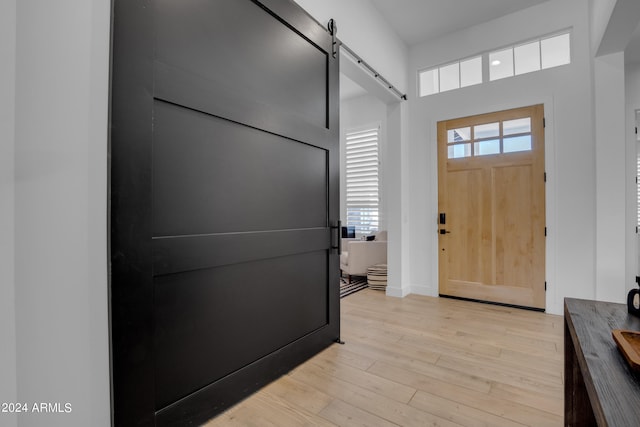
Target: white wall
column 356, row 113
column 7, row 147
column 397, row 190
column 616, row 98
column 62, row 72
column 632, row 91
column 611, row 192
column 566, row 93
column 364, row 30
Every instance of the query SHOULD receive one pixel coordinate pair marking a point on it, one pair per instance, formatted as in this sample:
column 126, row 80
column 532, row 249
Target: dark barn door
column 224, row 199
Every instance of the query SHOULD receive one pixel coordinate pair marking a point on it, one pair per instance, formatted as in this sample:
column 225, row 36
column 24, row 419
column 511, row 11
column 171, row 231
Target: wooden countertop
column 613, row 388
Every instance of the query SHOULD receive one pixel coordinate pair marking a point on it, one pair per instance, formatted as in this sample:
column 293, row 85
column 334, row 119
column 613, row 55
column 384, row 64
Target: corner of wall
column 610, row 155
column 61, row 315
column 8, row 379
column 398, row 292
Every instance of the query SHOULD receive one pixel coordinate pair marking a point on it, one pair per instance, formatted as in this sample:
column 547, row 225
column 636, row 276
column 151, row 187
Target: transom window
column 533, row 55
column 451, row 76
column 502, row 137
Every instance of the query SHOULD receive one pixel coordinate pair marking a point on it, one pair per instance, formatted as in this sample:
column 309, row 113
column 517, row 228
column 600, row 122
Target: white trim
column 428, row 291
column 398, row 292
column 552, row 305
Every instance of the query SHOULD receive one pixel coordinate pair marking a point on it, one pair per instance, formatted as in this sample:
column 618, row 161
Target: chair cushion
column 344, row 258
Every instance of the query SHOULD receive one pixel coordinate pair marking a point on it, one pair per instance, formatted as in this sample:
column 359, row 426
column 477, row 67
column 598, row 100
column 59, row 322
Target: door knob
column 443, row 231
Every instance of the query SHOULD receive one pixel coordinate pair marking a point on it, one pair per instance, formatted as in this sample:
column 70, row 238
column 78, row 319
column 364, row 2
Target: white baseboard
column 424, row 290
column 397, row 292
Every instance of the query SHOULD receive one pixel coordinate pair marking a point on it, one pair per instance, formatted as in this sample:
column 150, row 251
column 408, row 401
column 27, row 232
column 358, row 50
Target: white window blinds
column 362, row 165
column 638, row 192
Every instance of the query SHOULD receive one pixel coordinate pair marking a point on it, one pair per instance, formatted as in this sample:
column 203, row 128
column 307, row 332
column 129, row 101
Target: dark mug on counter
column 633, row 302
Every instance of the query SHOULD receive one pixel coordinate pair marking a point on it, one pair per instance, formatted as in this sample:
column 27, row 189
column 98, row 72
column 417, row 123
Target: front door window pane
column 517, row 143
column 511, row 127
column 457, row 135
column 483, row 148
column 486, row 131
column 459, row 151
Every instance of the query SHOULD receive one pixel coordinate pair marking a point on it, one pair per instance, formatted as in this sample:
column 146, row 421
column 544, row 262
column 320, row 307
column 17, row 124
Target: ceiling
column 632, row 53
column 418, row 20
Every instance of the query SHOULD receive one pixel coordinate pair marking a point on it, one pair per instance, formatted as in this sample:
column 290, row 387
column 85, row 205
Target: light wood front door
column 491, row 201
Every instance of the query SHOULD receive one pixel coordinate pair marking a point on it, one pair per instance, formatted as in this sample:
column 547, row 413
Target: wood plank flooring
column 421, row 361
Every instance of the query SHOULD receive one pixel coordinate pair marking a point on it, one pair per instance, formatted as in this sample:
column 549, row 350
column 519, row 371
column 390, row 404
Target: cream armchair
column 358, row 255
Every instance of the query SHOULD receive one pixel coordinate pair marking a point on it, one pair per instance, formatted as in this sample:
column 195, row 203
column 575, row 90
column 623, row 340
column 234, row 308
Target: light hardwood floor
column 421, row 361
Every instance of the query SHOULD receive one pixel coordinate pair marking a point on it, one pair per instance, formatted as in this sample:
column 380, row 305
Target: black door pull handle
column 337, row 228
